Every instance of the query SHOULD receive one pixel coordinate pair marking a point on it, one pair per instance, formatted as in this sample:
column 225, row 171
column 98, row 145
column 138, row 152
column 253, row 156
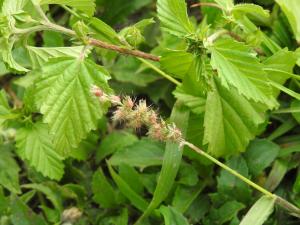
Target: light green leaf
column 195, row 103
column 13, row 7
column 253, row 11
column 86, row 6
column 40, row 55
column 239, row 67
column 63, row 92
column 174, row 18
column 113, row 142
column 279, row 67
column 172, row 216
column 142, row 154
column 259, row 212
column 103, row 31
column 34, row 144
column 9, row 170
column 225, row 4
column 291, row 10
column 176, row 63
column 230, row 121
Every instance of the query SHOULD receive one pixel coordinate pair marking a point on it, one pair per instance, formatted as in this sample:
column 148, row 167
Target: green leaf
column 226, row 212
column 253, row 11
column 128, row 192
column 13, row 7
column 230, row 121
column 225, row 4
column 176, row 63
column 63, row 91
column 230, row 185
column 103, row 31
column 279, row 67
column 86, row 6
column 172, row 216
column 260, row 154
column 259, row 212
column 195, row 103
column 291, row 10
column 51, row 195
column 114, row 142
column 171, row 161
column 9, row 171
column 34, row 144
column 40, row 55
column 142, row 154
column 104, row 193
column 296, row 104
column 23, row 215
column 239, row 67
column 174, row 18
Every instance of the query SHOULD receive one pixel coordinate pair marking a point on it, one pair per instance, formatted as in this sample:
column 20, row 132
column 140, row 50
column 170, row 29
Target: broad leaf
column 225, row 4
column 142, row 154
column 87, row 6
column 34, row 144
column 259, row 212
column 260, row 154
column 239, row 67
column 172, row 216
column 39, row 56
column 174, row 18
column 230, row 122
column 9, row 170
column 291, row 10
column 63, row 91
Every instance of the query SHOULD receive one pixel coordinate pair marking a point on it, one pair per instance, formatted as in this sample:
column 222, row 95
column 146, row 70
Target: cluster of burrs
column 137, row 114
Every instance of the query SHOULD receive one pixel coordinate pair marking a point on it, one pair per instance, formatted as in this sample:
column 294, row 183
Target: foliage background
column 110, row 175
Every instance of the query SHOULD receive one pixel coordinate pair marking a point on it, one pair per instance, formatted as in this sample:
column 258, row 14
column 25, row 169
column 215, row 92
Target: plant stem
column 294, row 210
column 233, row 172
column 123, row 50
column 160, row 72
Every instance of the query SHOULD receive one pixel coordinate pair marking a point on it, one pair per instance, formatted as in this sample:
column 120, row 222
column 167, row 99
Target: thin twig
column 122, row 50
column 16, row 101
column 294, row 210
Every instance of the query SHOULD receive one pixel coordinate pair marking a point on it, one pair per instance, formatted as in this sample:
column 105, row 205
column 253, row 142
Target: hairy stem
column 294, row 210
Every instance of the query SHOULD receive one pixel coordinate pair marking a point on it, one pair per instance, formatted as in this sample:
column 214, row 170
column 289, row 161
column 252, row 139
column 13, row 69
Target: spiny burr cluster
column 137, row 114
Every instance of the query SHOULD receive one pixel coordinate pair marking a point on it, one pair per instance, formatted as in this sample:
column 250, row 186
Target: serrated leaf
column 86, row 6
column 40, row 55
column 259, row 212
column 34, row 144
column 239, row 67
column 63, row 92
column 11, row 7
column 253, row 11
column 9, row 171
column 291, row 10
column 230, row 121
column 174, row 18
column 195, row 103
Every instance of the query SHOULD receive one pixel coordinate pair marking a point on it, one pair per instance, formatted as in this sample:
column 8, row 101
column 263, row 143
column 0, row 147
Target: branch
column 122, row 50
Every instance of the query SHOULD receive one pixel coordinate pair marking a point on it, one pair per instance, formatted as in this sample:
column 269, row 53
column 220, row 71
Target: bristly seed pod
column 137, row 115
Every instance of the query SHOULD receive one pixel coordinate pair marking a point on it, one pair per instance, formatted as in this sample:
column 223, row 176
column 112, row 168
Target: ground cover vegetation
column 149, row 112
